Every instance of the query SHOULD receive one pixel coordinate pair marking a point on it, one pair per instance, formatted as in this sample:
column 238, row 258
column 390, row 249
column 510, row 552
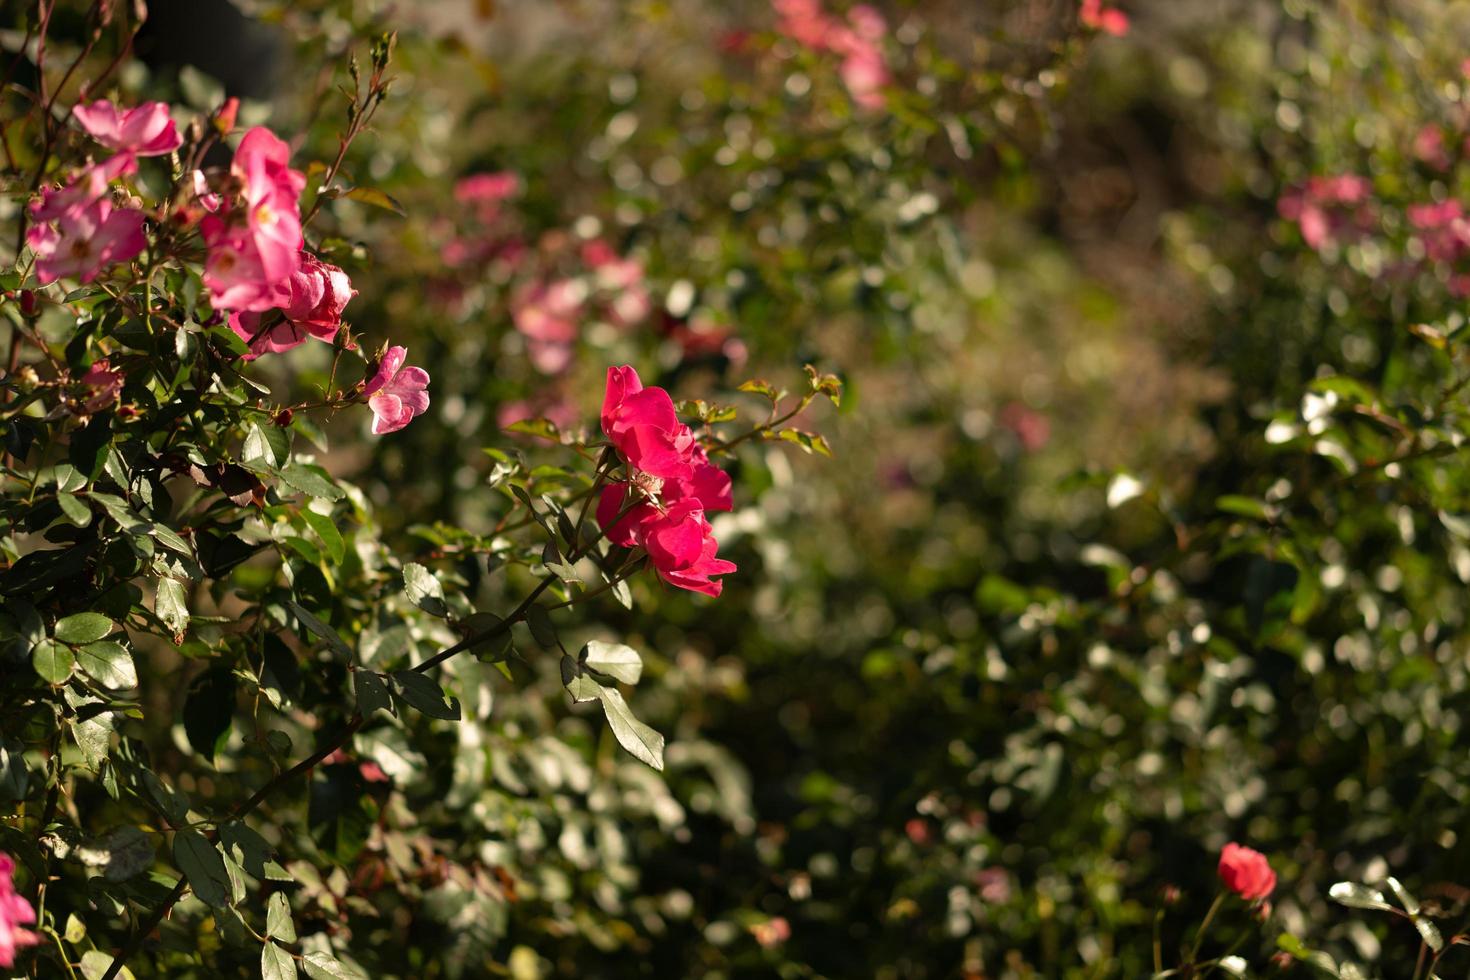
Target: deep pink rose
column 145, row 130
column 396, row 392
column 315, row 295
column 15, row 913
column 255, row 242
column 642, row 424
column 682, row 548
column 1246, row 872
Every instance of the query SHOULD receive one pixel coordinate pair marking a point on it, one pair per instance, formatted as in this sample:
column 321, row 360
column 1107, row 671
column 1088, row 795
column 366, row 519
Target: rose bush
column 344, row 635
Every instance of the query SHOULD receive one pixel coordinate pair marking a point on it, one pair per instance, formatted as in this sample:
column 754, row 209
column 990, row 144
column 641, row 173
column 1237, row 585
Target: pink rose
column 546, row 314
column 255, row 242
column 105, row 384
column 78, row 233
column 396, row 392
column 1109, row 20
column 1328, row 209
column 805, row 22
column 314, row 297
column 145, row 130
column 15, row 912
column 865, row 74
column 487, row 187
column 1246, row 872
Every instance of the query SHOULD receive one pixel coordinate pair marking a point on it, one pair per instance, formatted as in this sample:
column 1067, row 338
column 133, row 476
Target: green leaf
column 83, row 628
column 540, row 428
column 15, row 778
column 324, row 966
column 202, row 864
column 53, row 661
column 424, row 693
column 583, row 688
column 276, row 963
column 809, row 441
column 88, row 448
column 619, row 662
column 327, row 533
column 375, row 197
column 171, row 605
column 311, row 480
column 763, row 388
column 1408, row 901
column 96, row 963
column 1357, row 896
column 1250, row 507
column 75, row 509
column 1429, row 932
column 424, row 590
column 209, row 711
column 125, row 853
column 266, row 446
column 321, row 629
column 542, row 630
column 109, row 664
column 372, row 693
column 76, row 930
column 278, row 924
column 645, row 744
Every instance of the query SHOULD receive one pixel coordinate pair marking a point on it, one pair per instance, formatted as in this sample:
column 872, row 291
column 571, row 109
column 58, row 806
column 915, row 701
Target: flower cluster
column 15, row 914
column 671, row 486
column 254, row 240
column 858, row 42
column 256, row 268
column 1109, row 20
column 1329, row 210
column 556, row 285
column 78, row 231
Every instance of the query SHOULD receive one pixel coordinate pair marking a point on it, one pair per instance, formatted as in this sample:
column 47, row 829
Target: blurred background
column 1142, row 529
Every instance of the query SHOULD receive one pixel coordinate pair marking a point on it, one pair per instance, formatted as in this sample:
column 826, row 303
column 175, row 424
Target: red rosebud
column 28, row 302
column 283, row 418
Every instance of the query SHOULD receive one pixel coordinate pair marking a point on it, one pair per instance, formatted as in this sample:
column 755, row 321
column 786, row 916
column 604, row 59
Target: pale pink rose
column 396, row 393
column 548, row 316
column 78, row 232
column 145, row 130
